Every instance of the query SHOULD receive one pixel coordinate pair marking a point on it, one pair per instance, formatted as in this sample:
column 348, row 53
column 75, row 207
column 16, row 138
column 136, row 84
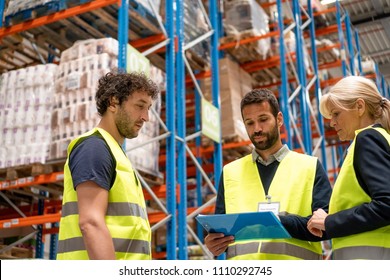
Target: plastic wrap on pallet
column 26, row 97
column 195, row 25
column 368, row 65
column 289, row 41
column 244, row 15
column 150, row 5
column 19, row 11
column 90, row 47
column 15, row 6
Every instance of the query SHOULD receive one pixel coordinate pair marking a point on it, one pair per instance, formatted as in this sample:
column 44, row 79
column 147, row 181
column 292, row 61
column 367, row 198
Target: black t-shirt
column 91, row 160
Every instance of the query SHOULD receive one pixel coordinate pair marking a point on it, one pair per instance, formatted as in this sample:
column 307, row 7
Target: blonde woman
column 359, row 212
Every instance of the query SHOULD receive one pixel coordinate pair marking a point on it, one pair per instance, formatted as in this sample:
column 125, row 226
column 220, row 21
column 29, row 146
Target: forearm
column 297, row 227
column 98, row 242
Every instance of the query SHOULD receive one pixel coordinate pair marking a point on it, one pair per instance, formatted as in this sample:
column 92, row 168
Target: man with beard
column 103, row 209
column 292, row 184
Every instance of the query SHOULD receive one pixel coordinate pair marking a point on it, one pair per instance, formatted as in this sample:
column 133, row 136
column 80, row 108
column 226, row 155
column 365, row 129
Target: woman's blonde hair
column 345, row 93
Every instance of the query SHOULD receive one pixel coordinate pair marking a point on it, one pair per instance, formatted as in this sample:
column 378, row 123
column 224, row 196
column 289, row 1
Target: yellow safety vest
column 126, row 216
column 292, row 186
column 347, row 193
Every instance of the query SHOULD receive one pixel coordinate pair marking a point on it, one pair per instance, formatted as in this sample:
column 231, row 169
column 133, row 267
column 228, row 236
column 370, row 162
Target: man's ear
column 113, row 103
column 279, row 119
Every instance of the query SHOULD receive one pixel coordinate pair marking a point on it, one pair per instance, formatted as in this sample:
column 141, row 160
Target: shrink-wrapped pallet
column 246, row 18
column 25, row 107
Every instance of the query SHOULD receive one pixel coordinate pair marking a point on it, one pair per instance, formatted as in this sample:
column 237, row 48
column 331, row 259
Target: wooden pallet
column 30, row 170
column 196, row 61
column 16, row 253
column 237, row 152
column 234, row 147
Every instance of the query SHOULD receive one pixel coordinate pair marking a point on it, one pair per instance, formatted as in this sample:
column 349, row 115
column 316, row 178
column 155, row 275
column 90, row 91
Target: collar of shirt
column 278, row 156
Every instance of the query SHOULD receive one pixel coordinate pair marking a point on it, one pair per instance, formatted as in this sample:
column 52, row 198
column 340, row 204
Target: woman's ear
column 360, row 106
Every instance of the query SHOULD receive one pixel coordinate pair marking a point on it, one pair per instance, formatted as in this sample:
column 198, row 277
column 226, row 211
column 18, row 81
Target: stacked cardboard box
column 234, row 84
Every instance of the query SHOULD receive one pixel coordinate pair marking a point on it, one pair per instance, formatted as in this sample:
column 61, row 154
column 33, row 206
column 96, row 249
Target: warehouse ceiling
column 372, row 19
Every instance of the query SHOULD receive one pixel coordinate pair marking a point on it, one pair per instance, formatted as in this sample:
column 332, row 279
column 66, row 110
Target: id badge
column 269, row 206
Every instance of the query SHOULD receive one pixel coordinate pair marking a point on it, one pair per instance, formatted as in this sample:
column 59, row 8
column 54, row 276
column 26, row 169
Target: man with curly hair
column 103, row 209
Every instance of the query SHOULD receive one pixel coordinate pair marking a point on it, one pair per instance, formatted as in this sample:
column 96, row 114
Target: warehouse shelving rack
column 346, row 40
column 183, row 148
column 299, row 88
column 175, row 214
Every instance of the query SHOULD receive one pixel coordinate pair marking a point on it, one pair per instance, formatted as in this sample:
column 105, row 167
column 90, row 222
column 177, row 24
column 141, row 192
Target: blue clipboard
column 245, row 226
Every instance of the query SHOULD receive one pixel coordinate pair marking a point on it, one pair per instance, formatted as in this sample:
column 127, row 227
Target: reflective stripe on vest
column 362, row 252
column 277, row 248
column 346, row 194
column 113, row 209
column 294, row 190
column 120, row 245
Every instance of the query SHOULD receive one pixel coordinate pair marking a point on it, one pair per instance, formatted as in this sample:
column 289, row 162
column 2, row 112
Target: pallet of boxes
column 234, row 84
column 26, row 100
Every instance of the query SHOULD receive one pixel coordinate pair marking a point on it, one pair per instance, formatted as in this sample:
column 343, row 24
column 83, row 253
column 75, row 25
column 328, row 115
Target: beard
column 270, row 139
column 125, row 125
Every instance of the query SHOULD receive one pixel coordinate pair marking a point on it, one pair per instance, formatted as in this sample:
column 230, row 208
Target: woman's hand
column 316, row 224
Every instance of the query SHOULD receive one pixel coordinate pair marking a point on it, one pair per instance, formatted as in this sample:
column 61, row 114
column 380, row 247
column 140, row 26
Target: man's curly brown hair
column 121, row 85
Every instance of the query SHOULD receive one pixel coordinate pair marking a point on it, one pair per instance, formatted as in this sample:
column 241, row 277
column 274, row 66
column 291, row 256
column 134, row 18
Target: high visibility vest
column 126, row 216
column 347, row 193
column 292, row 186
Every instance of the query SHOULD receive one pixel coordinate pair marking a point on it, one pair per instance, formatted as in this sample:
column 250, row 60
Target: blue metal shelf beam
column 181, row 133
column 341, row 39
column 351, row 52
column 2, row 6
column 357, row 41
column 214, row 12
column 304, row 101
column 170, row 146
column 317, row 86
column 123, row 36
column 283, row 91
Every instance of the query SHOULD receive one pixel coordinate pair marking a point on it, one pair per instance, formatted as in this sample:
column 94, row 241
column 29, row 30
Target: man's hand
column 218, row 242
